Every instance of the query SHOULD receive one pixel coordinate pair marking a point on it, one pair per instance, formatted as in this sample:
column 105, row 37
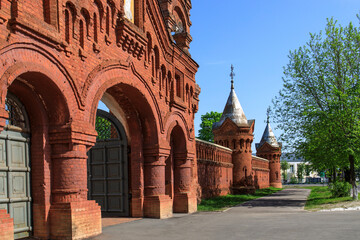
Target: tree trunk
column 347, row 175
column 334, row 175
column 352, row 177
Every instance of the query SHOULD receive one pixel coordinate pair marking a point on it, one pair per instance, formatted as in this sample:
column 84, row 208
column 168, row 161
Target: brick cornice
column 73, row 133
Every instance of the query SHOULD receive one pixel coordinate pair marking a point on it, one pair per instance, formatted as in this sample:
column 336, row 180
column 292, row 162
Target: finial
column 268, row 114
column 232, row 75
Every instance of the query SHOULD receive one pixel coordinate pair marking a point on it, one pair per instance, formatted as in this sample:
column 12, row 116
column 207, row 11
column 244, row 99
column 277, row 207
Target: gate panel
column 107, row 167
column 15, row 180
column 15, row 167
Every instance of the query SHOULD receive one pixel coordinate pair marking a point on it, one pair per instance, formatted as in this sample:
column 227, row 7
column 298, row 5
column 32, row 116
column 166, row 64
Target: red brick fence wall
column 215, row 168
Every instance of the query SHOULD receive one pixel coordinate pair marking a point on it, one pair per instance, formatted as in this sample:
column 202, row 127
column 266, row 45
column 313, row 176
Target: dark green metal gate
column 108, row 167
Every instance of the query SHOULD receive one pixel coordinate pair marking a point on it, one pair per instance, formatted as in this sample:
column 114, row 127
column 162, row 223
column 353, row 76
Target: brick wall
column 215, row 168
column 260, row 167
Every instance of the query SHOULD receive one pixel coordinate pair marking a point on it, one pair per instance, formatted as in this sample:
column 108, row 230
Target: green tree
column 307, row 170
column 318, row 108
column 284, row 165
column 103, row 128
column 207, row 120
column 300, row 171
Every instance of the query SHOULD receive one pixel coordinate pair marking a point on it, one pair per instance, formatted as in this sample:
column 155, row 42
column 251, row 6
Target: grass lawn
column 223, row 202
column 320, row 198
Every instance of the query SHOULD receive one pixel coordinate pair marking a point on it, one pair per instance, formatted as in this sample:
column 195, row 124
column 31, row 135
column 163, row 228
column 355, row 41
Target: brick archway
column 179, row 167
column 58, row 149
column 132, row 103
column 36, row 101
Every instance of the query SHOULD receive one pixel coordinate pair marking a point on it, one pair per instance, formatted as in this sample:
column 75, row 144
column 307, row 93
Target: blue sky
column 256, row 37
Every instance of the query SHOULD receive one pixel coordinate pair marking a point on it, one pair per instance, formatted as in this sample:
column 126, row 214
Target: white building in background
column 294, row 162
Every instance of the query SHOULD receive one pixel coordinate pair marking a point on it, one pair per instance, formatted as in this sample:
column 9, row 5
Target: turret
column 236, row 132
column 270, row 149
column 177, row 18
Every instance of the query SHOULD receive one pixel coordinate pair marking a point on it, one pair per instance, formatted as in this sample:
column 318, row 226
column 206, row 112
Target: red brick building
column 58, row 153
column 228, row 166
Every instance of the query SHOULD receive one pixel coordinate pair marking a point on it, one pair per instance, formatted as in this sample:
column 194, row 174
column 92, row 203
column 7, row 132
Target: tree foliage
column 103, row 128
column 318, row 108
column 308, row 170
column 207, row 120
column 284, row 165
column 300, row 171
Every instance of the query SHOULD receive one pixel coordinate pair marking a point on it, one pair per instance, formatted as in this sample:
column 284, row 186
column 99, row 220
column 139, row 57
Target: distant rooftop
column 290, row 157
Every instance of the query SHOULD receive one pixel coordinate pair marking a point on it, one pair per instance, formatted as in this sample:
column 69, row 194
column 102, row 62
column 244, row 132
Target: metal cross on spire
column 268, row 114
column 232, row 75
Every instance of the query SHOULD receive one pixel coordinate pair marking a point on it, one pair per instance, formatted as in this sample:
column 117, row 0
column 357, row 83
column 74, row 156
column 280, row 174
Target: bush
column 340, row 189
column 293, row 180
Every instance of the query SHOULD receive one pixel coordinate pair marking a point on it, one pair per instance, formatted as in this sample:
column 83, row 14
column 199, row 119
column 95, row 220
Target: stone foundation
column 76, row 220
column 184, row 203
column 158, row 206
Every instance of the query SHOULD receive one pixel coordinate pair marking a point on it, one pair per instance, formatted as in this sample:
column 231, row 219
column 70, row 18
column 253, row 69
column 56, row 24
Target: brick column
column 156, row 203
column 184, row 200
column 274, row 164
column 72, row 216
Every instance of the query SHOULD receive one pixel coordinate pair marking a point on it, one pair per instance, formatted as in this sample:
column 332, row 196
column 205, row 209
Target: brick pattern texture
column 6, row 226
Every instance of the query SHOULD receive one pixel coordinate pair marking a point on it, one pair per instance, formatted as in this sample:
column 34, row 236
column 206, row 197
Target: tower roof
column 268, row 136
column 233, row 109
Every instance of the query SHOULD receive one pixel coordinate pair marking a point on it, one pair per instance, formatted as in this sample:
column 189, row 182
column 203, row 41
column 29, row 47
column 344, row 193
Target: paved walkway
column 279, row 216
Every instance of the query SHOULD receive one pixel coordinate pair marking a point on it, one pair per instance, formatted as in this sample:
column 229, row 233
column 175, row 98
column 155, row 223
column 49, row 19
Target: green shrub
column 293, row 180
column 340, row 189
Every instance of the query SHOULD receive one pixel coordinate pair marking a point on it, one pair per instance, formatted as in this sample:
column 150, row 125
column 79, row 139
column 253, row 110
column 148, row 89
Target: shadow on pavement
column 285, row 198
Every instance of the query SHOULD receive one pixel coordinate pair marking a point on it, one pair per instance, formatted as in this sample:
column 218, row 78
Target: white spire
column 233, row 109
column 268, row 135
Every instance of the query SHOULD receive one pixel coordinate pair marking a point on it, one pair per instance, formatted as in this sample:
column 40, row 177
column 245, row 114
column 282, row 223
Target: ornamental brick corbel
column 73, row 133
column 183, row 41
column 130, row 39
column 157, row 151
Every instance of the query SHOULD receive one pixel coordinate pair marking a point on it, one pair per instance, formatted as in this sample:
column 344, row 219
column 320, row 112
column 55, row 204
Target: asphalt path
column 278, row 216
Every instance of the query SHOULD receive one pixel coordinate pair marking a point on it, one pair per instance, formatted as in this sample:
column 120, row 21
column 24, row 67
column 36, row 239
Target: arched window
column 50, row 16
column 163, row 77
column 107, row 20
column 153, row 66
column 18, row 118
column 187, row 94
column 129, row 7
column 157, row 61
column 168, row 84
column 100, row 14
column 95, row 28
column 149, row 46
column 191, row 95
column 70, row 16
column 81, row 39
column 242, row 143
column 67, row 26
